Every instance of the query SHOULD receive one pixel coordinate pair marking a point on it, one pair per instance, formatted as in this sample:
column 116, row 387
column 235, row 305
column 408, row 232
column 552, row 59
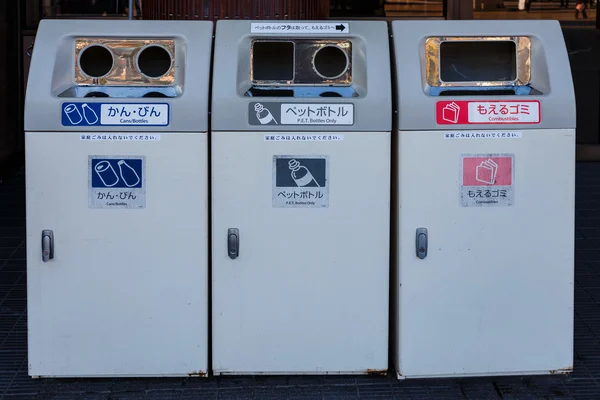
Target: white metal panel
column 309, row 290
column 495, row 293
column 127, row 291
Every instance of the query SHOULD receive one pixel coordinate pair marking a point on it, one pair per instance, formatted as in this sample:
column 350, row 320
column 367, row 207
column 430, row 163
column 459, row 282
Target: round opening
column 154, row 61
column 96, row 61
column 330, row 94
column 155, row 94
column 96, row 94
column 330, row 62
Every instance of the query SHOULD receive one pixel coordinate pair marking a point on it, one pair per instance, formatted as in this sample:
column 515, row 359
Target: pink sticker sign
column 487, row 171
column 487, row 180
column 488, row 112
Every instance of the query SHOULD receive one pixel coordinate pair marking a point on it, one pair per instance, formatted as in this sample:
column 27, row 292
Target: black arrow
column 340, row 27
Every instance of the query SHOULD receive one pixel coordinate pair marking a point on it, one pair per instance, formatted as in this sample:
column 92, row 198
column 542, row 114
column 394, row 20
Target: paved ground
column 582, row 384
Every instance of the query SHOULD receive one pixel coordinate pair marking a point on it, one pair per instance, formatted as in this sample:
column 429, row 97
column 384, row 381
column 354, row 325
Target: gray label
column 487, row 180
column 290, row 113
column 264, row 114
column 117, row 182
column 300, row 181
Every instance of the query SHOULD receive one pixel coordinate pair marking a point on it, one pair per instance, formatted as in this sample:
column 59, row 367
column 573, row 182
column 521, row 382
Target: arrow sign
column 299, row 28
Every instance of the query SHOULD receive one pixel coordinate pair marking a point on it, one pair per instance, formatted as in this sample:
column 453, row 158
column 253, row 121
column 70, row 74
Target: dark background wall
column 11, row 91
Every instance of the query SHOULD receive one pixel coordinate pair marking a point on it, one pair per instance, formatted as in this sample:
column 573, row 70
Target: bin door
column 124, row 292
column 306, row 288
column 494, row 292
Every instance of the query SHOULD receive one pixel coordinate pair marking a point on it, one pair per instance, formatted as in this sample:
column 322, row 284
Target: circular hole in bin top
column 96, row 61
column 154, row 61
column 96, row 94
column 155, row 94
column 330, row 62
column 330, row 94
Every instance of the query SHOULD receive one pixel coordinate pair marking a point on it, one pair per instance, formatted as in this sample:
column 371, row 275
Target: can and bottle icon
column 77, row 116
column 109, row 177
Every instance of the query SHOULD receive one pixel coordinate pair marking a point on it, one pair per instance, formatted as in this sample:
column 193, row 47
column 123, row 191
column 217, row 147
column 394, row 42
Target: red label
column 487, row 171
column 488, row 112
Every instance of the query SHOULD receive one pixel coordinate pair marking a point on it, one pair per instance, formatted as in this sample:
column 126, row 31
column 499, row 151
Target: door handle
column 47, row 245
column 421, row 243
column 233, row 243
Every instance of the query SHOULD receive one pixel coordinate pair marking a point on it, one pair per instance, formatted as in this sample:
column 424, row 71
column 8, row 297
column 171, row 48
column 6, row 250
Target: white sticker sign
column 300, row 28
column 134, row 114
column 304, row 138
column 300, row 181
column 487, row 180
column 482, row 135
column 317, row 114
column 120, row 138
column 117, row 182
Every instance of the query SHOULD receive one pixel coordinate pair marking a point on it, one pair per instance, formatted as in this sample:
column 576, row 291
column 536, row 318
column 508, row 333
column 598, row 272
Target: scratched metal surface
column 236, row 9
column 582, row 384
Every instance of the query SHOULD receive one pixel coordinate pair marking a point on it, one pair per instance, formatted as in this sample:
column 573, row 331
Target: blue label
column 117, row 173
column 115, row 114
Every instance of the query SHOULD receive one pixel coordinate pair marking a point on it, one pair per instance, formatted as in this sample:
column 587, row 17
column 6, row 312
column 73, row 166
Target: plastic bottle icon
column 106, row 173
column 128, row 174
column 90, row 115
column 263, row 114
column 300, row 174
column 73, row 114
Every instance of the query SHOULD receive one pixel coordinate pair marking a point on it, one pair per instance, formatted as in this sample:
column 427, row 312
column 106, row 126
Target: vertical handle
column 421, row 243
column 47, row 245
column 233, row 243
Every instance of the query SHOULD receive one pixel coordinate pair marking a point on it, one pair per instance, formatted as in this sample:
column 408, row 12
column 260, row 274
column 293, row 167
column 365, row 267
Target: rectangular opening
column 499, row 92
column 272, row 61
column 485, row 61
column 257, row 92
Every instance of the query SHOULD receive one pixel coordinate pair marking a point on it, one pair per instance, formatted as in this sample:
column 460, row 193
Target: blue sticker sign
column 115, row 114
column 117, row 182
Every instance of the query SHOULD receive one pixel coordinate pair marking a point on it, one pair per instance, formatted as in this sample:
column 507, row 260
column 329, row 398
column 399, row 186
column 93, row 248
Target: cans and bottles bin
column 116, row 121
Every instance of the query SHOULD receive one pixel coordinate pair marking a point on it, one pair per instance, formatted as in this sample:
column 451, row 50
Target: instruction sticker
column 487, row 180
column 300, row 28
column 488, row 112
column 300, row 181
column 482, row 135
column 304, row 138
column 117, row 182
column 114, row 114
column 301, row 114
column 120, row 138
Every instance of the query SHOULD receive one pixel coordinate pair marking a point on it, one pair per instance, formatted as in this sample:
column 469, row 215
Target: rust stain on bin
column 376, row 372
column 562, row 371
column 197, row 374
column 236, row 9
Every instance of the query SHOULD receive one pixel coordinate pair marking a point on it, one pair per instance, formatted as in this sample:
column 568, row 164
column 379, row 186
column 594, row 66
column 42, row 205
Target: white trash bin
column 116, row 125
column 485, row 199
column 301, row 124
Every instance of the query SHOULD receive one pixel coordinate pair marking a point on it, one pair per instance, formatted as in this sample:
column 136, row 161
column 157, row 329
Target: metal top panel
column 275, row 67
column 541, row 75
column 128, row 63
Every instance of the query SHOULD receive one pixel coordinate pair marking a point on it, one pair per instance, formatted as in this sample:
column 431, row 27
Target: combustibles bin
column 483, row 273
